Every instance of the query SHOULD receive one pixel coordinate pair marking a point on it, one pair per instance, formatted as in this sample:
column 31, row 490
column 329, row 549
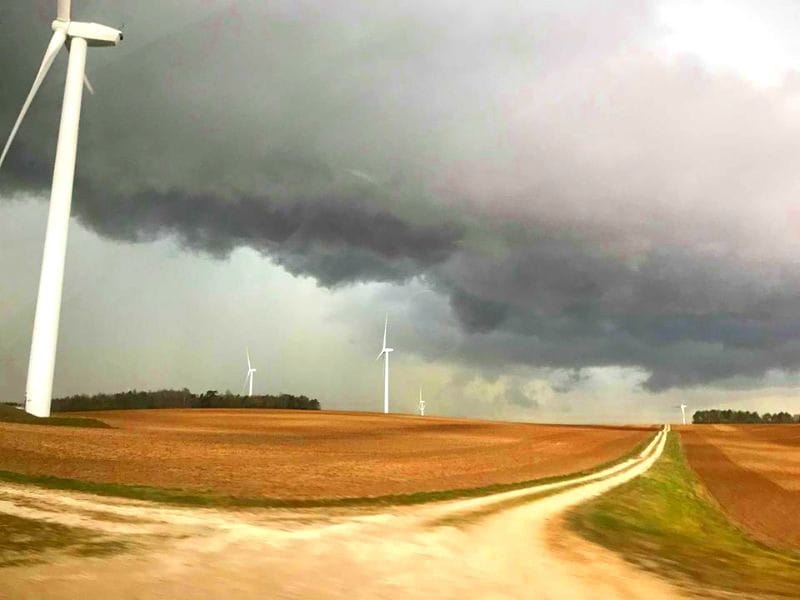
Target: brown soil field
column 753, row 471
column 307, row 454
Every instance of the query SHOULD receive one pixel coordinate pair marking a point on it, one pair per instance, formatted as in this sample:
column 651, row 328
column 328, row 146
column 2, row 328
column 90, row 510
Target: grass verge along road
column 665, row 521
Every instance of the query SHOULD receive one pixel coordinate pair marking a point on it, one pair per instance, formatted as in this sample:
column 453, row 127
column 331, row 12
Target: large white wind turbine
column 75, row 36
column 421, row 404
column 385, row 353
column 249, row 376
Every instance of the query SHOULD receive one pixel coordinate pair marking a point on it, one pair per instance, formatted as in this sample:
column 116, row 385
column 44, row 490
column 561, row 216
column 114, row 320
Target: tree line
column 742, row 416
column 134, row 399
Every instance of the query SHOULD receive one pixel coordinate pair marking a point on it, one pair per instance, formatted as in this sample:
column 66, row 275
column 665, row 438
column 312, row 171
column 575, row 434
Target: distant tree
column 134, row 399
column 740, row 416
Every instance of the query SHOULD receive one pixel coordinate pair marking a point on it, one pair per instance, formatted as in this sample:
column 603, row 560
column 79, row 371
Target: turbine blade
column 56, row 42
column 244, row 385
column 63, row 10
column 249, row 366
column 381, row 353
column 88, row 84
column 86, row 81
column 385, row 327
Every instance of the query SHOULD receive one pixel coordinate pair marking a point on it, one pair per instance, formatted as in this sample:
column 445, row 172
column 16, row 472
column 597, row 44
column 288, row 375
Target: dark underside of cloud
column 577, row 204
column 548, row 304
column 335, row 240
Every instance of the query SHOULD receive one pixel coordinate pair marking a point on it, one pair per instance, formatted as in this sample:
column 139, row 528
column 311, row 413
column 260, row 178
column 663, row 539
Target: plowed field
column 754, row 473
column 298, row 454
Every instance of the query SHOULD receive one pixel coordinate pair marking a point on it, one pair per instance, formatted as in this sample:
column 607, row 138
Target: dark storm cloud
column 515, row 396
column 333, row 239
column 686, row 322
column 576, row 199
column 572, row 379
column 477, row 315
column 218, row 225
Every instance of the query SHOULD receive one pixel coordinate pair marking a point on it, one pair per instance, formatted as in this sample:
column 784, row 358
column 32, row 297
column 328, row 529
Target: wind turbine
column 421, row 404
column 75, row 36
column 385, row 352
column 249, row 376
column 683, row 408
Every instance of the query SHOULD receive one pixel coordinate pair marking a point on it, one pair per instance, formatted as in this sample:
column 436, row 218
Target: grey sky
column 571, row 213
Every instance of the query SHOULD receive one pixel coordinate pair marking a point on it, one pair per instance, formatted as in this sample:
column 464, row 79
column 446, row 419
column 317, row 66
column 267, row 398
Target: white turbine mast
column 421, row 404
column 75, row 36
column 683, row 408
column 249, row 377
column 385, row 353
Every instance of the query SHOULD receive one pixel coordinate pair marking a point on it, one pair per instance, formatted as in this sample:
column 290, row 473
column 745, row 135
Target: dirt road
column 507, row 545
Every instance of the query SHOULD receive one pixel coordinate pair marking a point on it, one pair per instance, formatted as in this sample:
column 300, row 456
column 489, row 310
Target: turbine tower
column 249, row 377
column 385, row 353
column 76, row 36
column 421, row 404
column 683, row 412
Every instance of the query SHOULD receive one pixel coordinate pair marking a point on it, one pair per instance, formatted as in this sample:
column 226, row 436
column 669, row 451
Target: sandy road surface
column 507, row 545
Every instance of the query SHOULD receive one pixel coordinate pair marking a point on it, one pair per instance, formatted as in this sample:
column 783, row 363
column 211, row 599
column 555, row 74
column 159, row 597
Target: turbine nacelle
column 94, row 33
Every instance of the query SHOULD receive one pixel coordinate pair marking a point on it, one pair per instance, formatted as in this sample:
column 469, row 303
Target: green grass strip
column 210, row 499
column 25, row 540
column 10, row 414
column 664, row 521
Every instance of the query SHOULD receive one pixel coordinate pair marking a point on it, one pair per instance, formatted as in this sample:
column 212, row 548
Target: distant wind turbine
column 249, row 377
column 421, row 404
column 75, row 36
column 385, row 353
column 683, row 408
